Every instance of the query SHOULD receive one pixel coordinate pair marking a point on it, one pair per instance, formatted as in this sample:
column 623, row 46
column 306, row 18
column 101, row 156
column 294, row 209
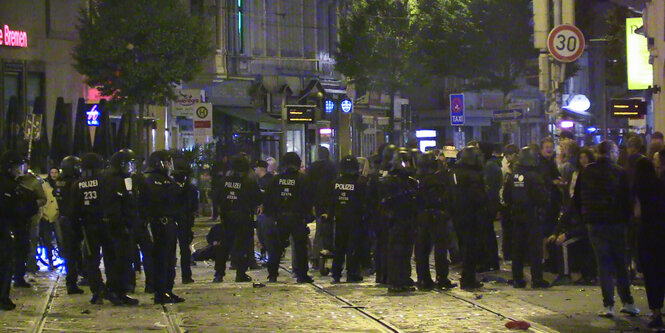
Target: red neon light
column 13, row 38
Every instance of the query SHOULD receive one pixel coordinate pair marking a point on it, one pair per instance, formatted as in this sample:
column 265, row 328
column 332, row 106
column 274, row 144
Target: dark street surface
column 320, row 307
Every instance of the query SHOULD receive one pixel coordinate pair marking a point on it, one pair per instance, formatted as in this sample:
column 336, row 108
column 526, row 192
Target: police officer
column 398, row 191
column 239, row 197
column 12, row 167
column 379, row 224
column 525, row 194
column 288, row 202
column 432, row 223
column 123, row 164
column 469, row 197
column 70, row 237
column 188, row 209
column 347, row 209
column 160, row 199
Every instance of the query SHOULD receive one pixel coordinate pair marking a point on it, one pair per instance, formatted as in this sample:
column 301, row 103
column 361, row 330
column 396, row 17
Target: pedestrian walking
column 603, row 197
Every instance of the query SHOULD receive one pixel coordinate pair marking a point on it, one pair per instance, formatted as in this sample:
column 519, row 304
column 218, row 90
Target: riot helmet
column 13, row 164
column 401, row 160
column 160, row 161
column 349, row 166
column 428, row 163
column 290, row 162
column 92, row 162
column 71, row 166
column 123, row 161
column 240, row 164
column 528, row 157
column 471, row 156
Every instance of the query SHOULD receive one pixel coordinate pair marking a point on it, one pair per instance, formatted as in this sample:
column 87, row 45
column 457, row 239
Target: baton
column 85, row 241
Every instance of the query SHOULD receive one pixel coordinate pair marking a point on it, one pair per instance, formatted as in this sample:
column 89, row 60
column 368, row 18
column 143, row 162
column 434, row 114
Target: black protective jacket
column 87, row 196
column 525, row 193
column 288, row 194
column 161, row 196
column 63, row 195
column 468, row 190
column 321, row 175
column 239, row 194
column 348, row 199
column 120, row 200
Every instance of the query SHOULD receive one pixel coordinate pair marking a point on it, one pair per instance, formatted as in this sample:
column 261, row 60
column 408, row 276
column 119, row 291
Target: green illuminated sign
column 640, row 72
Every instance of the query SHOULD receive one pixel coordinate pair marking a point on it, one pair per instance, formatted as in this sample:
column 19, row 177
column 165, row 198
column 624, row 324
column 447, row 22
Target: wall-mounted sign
column 92, row 114
column 640, row 71
column 628, row 108
column 202, row 123
column 457, row 109
column 346, row 105
column 13, row 38
column 300, row 113
column 186, row 103
column 330, row 106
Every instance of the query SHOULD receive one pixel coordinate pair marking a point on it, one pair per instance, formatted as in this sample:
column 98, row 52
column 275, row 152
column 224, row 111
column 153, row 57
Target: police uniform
column 468, row 197
column 239, row 197
column 288, row 202
column 347, row 210
column 161, row 206
column 398, row 191
column 142, row 245
column 188, row 209
column 433, row 217
column 525, row 193
column 69, row 235
column 8, row 215
column 379, row 226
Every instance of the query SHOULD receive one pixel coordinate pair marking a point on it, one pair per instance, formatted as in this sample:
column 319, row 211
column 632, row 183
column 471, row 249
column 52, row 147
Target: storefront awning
column 250, row 115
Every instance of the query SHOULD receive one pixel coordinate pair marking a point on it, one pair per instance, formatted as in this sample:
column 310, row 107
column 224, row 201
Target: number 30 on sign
column 566, row 43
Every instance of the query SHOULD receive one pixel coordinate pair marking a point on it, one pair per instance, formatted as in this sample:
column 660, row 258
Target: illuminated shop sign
column 346, row 105
column 93, row 115
column 14, row 38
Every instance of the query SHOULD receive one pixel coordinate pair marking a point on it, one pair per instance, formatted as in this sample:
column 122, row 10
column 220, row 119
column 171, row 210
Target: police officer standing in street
column 188, row 209
column 287, row 200
column 398, row 193
column 469, row 197
column 379, row 223
column 13, row 167
column 525, row 194
column 347, row 209
column 70, row 237
column 160, row 199
column 124, row 165
column 238, row 200
column 433, row 204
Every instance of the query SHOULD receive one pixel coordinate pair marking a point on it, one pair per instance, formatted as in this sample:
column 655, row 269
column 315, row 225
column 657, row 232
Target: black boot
column 173, row 298
column 6, row 304
column 126, row 300
column 243, row 278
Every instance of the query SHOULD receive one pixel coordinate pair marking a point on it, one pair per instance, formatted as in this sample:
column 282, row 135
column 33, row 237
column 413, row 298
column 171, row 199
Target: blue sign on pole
column 346, row 105
column 93, row 115
column 457, row 109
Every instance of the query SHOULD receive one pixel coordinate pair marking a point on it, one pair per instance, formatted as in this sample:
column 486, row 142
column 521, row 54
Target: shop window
column 35, row 88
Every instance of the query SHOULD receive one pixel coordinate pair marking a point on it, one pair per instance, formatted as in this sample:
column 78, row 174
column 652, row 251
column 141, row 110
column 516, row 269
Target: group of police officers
column 410, row 204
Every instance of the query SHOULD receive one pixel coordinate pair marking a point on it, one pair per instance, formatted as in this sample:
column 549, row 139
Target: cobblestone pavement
column 321, row 307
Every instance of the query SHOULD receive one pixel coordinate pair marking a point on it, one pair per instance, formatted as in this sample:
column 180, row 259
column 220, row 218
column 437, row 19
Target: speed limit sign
column 566, row 43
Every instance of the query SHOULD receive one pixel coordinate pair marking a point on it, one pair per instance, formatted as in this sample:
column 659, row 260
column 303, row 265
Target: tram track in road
column 41, row 322
column 348, row 305
column 473, row 302
column 173, row 320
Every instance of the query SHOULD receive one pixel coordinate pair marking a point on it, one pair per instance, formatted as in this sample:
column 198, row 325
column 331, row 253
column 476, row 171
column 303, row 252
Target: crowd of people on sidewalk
column 594, row 213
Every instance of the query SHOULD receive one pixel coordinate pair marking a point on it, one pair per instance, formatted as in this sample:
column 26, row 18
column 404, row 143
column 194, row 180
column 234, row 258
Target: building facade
column 35, row 57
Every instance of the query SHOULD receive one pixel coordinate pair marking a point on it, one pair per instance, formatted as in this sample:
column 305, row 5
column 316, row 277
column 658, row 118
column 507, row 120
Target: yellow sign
column 640, row 72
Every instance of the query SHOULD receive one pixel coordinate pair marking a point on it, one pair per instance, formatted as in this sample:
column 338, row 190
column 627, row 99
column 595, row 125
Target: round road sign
column 566, row 43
